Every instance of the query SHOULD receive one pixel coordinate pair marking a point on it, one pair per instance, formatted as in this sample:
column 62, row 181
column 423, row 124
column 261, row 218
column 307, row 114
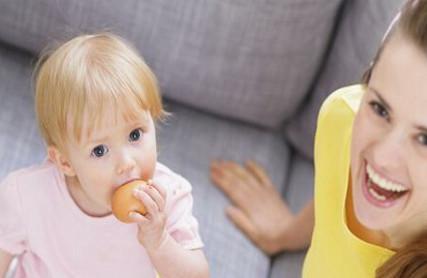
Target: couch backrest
column 252, row 60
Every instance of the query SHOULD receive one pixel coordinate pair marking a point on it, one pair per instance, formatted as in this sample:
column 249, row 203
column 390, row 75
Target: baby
column 96, row 105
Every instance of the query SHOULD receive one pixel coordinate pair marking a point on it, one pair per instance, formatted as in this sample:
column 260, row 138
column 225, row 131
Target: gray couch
column 243, row 79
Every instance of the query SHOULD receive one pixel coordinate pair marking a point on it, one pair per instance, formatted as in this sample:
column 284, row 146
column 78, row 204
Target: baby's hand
column 151, row 226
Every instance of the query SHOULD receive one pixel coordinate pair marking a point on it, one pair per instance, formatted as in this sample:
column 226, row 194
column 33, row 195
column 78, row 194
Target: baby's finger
column 137, row 217
column 148, row 202
column 155, row 195
column 161, row 188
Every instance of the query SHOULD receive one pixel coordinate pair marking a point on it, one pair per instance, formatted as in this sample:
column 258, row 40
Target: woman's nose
column 388, row 153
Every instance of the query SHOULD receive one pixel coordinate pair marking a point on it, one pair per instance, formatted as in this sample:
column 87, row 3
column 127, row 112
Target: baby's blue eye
column 99, row 151
column 135, row 135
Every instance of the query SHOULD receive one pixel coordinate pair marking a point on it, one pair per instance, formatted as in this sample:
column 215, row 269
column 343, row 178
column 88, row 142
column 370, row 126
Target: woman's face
column 389, row 145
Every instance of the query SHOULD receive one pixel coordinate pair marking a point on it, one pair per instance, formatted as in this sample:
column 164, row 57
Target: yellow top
column 334, row 250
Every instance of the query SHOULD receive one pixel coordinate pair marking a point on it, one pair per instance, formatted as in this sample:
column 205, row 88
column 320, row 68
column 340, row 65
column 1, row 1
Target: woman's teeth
column 382, row 183
column 376, row 195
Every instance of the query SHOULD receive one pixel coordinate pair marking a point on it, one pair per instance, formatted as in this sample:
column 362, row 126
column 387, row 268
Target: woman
column 370, row 209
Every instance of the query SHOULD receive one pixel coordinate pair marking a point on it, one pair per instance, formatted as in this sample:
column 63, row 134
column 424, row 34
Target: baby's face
column 389, row 145
column 118, row 152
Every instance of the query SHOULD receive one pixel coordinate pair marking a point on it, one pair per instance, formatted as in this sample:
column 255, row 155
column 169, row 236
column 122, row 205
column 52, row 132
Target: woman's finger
column 258, row 172
column 239, row 218
column 228, row 183
column 230, row 173
column 233, row 186
column 244, row 175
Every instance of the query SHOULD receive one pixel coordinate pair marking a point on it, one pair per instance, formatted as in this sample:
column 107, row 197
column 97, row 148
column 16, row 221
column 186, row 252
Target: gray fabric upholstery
column 251, row 60
column 360, row 31
column 188, row 142
column 299, row 191
column 20, row 143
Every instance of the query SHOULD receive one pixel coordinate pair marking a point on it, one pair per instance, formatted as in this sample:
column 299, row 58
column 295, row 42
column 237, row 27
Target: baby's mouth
column 116, row 186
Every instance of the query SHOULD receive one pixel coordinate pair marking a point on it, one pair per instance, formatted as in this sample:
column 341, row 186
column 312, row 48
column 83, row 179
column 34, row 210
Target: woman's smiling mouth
column 380, row 191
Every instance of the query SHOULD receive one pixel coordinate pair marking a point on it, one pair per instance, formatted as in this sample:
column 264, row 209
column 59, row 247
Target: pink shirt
column 52, row 237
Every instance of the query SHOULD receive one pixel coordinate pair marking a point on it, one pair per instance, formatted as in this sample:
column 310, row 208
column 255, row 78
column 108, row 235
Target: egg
column 123, row 201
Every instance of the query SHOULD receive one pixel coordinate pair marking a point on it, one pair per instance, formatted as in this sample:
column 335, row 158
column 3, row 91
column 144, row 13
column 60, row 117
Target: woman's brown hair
column 409, row 261
column 412, row 22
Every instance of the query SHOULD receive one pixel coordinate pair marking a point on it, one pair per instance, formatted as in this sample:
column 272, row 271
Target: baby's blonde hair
column 79, row 80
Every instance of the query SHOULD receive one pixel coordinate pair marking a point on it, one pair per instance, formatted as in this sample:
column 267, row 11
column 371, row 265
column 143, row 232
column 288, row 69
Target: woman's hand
column 258, row 209
column 151, row 226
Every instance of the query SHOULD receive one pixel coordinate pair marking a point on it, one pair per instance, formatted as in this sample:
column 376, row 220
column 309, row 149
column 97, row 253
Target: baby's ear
column 60, row 160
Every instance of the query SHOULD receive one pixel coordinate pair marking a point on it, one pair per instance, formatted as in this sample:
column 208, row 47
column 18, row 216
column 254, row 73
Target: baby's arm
column 169, row 258
column 5, row 259
column 172, row 260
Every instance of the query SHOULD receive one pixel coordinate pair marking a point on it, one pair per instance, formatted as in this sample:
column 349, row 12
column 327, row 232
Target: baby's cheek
column 107, row 198
column 147, row 175
column 103, row 189
column 148, row 168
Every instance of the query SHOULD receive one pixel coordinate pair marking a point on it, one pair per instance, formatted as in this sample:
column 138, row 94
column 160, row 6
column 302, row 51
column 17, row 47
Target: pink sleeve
column 12, row 231
column 181, row 224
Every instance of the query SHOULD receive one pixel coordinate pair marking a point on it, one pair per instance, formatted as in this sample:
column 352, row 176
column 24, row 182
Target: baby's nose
column 126, row 164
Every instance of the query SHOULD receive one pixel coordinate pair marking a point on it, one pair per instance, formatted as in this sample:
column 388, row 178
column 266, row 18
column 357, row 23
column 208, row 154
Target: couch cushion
column 361, row 29
column 251, row 60
column 20, row 143
column 187, row 143
column 298, row 192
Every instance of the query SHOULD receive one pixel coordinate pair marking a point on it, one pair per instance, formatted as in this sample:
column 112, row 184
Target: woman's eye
column 379, row 109
column 99, row 151
column 422, row 139
column 135, row 135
